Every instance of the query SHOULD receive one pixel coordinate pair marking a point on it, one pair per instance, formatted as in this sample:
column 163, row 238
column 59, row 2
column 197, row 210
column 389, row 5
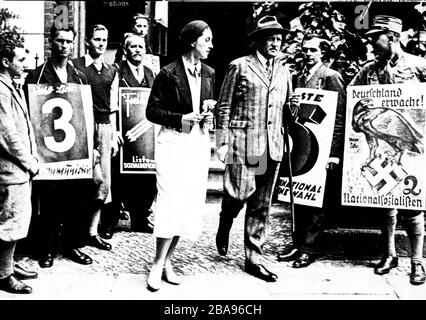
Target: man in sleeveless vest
column 103, row 79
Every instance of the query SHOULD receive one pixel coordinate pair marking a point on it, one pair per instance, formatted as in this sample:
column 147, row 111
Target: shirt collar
column 396, row 59
column 133, row 67
column 315, row 68
column 262, row 59
column 88, row 60
column 192, row 69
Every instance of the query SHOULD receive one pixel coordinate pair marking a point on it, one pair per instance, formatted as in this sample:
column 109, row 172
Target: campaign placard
column 62, row 118
column 310, row 142
column 153, row 62
column 384, row 156
column 137, row 153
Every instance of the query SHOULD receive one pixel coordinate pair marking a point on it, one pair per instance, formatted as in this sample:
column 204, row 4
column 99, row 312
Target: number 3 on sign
column 62, row 123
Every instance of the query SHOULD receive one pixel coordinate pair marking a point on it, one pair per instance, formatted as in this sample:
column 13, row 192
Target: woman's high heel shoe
column 170, row 276
column 154, row 281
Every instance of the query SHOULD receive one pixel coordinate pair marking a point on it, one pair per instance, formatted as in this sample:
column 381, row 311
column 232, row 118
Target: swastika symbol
column 383, row 175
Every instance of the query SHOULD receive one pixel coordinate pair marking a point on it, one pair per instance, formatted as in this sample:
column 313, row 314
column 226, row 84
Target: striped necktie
column 269, row 69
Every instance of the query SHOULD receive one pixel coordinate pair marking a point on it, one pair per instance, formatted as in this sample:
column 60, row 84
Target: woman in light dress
column 181, row 102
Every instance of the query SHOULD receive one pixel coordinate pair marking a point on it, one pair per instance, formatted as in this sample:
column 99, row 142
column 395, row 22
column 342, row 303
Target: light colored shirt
column 62, row 74
column 263, row 62
column 138, row 76
column 193, row 74
column 312, row 70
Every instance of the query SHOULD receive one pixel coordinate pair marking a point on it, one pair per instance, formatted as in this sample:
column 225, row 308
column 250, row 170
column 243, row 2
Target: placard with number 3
column 62, row 118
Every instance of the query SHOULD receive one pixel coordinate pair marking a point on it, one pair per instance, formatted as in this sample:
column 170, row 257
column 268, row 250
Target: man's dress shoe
column 12, row 284
column 289, row 255
column 77, row 256
column 97, row 242
column 385, row 265
column 417, row 275
column 23, row 274
column 222, row 236
column 145, row 227
column 106, row 234
column 259, row 271
column 303, row 260
column 46, row 261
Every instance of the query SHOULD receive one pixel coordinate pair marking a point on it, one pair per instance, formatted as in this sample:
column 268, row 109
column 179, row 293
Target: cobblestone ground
column 134, row 252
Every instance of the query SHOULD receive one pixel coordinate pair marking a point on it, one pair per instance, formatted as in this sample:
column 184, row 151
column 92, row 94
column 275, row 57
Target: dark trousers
column 7, row 250
column 310, row 221
column 63, row 207
column 257, row 212
column 137, row 192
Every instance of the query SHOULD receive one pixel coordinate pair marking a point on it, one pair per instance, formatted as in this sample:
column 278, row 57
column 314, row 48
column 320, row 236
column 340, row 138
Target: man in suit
column 18, row 165
column 138, row 200
column 250, row 112
column 309, row 220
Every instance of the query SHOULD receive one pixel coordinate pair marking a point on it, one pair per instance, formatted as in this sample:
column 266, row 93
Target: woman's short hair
column 190, row 33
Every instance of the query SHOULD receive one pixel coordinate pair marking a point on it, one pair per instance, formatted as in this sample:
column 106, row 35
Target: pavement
column 121, row 274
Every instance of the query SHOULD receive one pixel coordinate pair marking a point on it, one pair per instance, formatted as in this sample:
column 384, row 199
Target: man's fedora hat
column 267, row 25
column 383, row 23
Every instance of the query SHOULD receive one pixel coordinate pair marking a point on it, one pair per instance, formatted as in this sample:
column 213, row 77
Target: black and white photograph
column 212, row 158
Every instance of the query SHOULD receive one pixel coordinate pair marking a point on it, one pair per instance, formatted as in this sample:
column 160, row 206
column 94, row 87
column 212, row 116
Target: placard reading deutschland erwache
column 137, row 153
column 62, row 118
column 310, row 143
column 384, row 160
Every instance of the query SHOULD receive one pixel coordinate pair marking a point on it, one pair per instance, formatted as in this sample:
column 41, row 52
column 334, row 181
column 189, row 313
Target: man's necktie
column 138, row 75
column 304, row 76
column 17, row 87
column 269, row 68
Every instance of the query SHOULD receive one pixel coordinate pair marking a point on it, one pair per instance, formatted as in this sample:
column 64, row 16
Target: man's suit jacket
column 328, row 79
column 17, row 142
column 127, row 79
column 250, row 119
column 170, row 96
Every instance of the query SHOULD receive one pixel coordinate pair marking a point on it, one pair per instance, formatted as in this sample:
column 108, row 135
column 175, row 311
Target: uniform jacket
column 408, row 68
column 127, row 79
column 17, row 142
column 328, row 79
column 170, row 96
column 250, row 119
